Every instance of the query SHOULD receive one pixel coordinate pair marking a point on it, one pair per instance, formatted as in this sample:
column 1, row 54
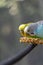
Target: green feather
column 34, row 37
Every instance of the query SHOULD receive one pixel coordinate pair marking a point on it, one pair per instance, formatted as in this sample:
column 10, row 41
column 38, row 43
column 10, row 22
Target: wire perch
column 19, row 56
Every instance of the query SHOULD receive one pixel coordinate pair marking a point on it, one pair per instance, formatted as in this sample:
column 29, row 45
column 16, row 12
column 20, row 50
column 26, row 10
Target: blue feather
column 39, row 31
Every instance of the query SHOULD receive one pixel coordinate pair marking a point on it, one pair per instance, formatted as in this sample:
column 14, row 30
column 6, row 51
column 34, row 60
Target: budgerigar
column 32, row 29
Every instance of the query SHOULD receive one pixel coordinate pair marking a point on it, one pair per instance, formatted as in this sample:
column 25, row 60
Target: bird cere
column 32, row 32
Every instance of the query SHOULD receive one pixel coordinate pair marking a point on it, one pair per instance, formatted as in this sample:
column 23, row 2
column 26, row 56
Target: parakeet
column 32, row 29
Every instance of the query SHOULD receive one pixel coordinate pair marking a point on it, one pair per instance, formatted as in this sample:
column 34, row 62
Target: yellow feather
column 22, row 27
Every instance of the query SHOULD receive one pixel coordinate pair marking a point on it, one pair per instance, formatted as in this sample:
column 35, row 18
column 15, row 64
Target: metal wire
column 19, row 56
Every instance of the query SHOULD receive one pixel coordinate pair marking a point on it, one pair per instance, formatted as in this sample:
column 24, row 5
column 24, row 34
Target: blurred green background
column 12, row 14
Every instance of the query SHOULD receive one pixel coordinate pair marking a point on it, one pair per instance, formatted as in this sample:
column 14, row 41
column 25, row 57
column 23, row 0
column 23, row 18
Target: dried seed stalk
column 31, row 40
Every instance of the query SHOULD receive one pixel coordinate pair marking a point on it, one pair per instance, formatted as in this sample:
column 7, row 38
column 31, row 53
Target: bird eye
column 32, row 33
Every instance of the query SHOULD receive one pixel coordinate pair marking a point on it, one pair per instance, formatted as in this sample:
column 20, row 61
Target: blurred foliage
column 2, row 3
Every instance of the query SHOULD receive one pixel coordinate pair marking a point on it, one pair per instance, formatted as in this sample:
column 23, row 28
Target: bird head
column 22, row 27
